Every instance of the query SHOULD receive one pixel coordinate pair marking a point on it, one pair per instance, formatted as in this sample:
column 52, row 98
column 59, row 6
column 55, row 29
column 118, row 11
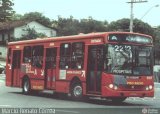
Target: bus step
column 94, row 92
column 48, row 91
column 94, row 95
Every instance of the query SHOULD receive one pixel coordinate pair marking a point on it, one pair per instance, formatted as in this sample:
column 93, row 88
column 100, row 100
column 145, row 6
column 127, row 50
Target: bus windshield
column 129, row 59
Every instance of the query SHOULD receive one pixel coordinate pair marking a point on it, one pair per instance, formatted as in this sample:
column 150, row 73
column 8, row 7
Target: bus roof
column 72, row 37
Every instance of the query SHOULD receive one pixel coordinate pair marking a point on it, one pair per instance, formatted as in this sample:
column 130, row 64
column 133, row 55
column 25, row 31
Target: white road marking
column 75, row 112
column 5, row 105
column 143, row 99
column 2, row 82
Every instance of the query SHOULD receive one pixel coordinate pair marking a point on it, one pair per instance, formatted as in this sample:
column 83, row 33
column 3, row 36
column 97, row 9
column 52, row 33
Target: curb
column 1, row 81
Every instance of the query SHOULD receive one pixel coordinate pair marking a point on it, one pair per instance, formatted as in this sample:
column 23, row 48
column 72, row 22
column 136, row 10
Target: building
column 15, row 29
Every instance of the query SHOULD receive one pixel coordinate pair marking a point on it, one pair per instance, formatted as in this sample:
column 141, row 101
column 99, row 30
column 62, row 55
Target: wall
column 19, row 31
column 156, row 71
column 3, row 51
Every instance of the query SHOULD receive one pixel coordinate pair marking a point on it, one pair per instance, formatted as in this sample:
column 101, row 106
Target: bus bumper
column 107, row 92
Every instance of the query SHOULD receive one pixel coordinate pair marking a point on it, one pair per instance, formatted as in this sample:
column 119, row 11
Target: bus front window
column 119, row 59
column 127, row 59
column 143, row 60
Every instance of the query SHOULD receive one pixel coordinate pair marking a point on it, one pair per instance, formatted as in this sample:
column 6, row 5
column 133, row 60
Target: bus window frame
column 65, row 56
column 69, row 61
column 78, row 56
column 51, row 59
column 37, row 60
column 27, row 59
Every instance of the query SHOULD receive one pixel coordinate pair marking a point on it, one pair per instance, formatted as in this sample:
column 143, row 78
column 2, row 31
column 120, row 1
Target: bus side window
column 9, row 55
column 51, row 58
column 65, row 50
column 77, row 55
column 37, row 56
column 27, row 54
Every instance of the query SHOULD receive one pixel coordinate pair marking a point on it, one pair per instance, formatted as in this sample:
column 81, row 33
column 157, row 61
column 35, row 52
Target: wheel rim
column 77, row 91
column 26, row 86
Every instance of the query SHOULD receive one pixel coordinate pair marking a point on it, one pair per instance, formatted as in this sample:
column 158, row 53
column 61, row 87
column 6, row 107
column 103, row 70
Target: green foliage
column 119, row 25
column 157, row 36
column 16, row 17
column 141, row 27
column 31, row 34
column 66, row 26
column 6, row 10
column 71, row 26
column 38, row 17
column 123, row 25
column 91, row 25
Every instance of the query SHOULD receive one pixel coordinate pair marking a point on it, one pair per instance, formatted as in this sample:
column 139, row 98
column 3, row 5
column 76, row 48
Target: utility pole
column 131, row 14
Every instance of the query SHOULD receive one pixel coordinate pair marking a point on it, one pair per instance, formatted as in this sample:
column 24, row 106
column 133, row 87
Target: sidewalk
column 2, row 77
column 156, row 85
column 3, row 63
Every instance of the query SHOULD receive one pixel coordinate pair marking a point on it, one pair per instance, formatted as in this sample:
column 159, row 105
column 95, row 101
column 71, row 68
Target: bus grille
column 132, row 87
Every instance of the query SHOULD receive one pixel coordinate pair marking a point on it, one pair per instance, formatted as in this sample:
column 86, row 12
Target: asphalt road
column 46, row 103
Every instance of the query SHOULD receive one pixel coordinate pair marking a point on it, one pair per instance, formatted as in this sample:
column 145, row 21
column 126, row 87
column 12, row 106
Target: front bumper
column 107, row 92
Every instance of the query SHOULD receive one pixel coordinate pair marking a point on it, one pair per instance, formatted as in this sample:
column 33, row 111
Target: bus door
column 16, row 61
column 95, row 67
column 50, row 68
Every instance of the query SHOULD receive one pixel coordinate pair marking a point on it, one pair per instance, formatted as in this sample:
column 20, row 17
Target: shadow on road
column 59, row 96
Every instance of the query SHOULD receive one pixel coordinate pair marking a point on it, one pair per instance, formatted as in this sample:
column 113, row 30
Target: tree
column 142, row 27
column 16, row 17
column 6, row 10
column 71, row 26
column 123, row 25
column 66, row 26
column 119, row 25
column 37, row 16
column 157, row 35
column 90, row 25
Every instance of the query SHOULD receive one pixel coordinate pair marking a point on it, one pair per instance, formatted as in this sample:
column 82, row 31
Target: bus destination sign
column 129, row 38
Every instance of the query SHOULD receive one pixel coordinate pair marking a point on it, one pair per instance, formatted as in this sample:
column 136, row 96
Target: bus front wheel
column 26, row 87
column 76, row 91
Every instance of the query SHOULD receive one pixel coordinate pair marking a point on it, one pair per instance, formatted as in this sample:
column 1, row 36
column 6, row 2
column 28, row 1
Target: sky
column 110, row 10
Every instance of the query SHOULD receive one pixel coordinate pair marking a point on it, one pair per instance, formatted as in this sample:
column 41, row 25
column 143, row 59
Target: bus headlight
column 150, row 87
column 111, row 86
column 115, row 87
column 147, row 88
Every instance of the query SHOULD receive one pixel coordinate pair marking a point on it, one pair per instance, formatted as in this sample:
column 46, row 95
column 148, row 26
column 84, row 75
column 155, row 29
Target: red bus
column 112, row 65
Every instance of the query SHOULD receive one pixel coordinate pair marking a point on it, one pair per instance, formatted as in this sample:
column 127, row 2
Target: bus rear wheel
column 26, row 87
column 76, row 91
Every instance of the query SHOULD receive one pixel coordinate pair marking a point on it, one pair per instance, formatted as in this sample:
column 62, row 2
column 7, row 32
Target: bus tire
column 118, row 100
column 26, row 87
column 76, row 91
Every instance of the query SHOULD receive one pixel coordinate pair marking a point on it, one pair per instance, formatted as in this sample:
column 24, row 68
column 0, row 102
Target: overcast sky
column 110, row 10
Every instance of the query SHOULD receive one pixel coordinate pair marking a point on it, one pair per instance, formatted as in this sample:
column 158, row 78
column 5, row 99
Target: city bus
column 111, row 65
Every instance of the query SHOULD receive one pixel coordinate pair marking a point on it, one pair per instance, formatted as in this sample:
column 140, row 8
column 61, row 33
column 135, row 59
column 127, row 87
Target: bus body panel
column 131, row 86
column 62, row 86
column 59, row 80
column 37, row 84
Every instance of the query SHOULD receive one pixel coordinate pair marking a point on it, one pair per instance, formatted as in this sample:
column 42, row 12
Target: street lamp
column 149, row 10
